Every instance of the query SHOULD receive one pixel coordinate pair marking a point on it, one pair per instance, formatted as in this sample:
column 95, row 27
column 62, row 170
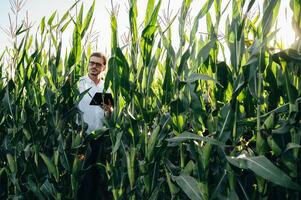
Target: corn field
column 186, row 124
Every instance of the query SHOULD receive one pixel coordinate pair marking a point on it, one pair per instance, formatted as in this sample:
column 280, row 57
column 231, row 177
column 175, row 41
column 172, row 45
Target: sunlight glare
column 286, row 35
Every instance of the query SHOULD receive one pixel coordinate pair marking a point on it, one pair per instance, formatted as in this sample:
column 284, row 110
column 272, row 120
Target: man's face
column 96, row 66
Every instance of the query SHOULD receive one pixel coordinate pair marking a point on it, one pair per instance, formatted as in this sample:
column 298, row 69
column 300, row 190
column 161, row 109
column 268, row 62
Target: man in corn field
column 94, row 183
column 93, row 115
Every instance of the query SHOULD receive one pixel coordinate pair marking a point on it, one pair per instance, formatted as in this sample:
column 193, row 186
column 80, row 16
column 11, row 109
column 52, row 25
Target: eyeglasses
column 91, row 63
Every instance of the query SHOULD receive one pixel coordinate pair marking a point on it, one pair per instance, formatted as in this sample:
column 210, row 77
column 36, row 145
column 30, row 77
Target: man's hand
column 108, row 108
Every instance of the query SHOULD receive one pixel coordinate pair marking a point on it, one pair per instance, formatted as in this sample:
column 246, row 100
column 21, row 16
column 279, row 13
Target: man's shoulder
column 83, row 78
column 82, row 83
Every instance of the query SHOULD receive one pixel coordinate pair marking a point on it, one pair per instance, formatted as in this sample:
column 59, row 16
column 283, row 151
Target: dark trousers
column 94, row 183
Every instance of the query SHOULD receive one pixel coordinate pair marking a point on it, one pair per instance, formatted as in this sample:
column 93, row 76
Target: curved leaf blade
column 190, row 186
column 191, row 136
column 264, row 168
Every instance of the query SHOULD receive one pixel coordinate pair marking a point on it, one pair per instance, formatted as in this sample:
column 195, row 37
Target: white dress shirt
column 93, row 115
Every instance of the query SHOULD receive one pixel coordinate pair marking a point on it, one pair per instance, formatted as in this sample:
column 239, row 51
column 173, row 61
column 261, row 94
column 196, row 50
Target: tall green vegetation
column 41, row 145
column 186, row 124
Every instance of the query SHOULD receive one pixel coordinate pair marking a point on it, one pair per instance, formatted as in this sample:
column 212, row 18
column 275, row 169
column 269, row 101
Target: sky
column 36, row 9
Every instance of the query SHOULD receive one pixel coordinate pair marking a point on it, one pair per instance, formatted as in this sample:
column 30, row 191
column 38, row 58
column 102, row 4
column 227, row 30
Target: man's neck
column 95, row 79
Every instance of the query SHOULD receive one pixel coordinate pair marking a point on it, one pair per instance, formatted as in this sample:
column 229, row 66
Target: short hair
column 99, row 55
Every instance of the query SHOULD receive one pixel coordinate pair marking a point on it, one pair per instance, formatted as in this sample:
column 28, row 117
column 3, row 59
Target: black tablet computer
column 102, row 98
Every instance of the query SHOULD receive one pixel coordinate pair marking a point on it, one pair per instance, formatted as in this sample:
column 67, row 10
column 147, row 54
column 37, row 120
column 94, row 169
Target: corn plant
column 42, row 141
column 188, row 125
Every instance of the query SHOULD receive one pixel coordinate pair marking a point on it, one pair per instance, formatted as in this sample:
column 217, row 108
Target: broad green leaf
column 65, row 26
column 42, row 25
column 67, row 13
column 152, row 67
column 79, row 19
column 195, row 77
column 149, row 11
column 219, row 187
column 152, row 142
column 183, row 63
column 269, row 16
column 196, row 20
column 173, row 189
column 188, row 168
column 134, row 33
column 32, row 186
column 118, row 142
column 182, row 19
column 264, row 168
column 64, row 160
column 49, row 22
column 155, row 192
column 48, row 189
column 154, row 16
column 11, row 163
column 49, row 164
column 190, row 186
column 114, row 40
column 178, row 120
column 87, row 20
column 205, row 51
column 291, row 146
column 191, row 136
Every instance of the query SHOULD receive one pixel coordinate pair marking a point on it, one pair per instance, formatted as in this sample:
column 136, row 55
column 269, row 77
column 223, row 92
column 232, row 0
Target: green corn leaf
column 178, row 120
column 87, row 20
column 152, row 142
column 185, row 136
column 274, row 146
column 264, row 168
column 182, row 19
column 219, row 187
column 79, row 19
column 20, row 30
column 114, row 40
column 155, row 192
column 64, row 160
column 195, row 77
column 50, row 20
column 58, row 56
column 152, row 67
column 269, row 16
column 48, row 189
column 291, row 146
column 190, row 186
column 147, row 43
column 149, row 11
column 65, row 26
column 173, row 189
column 32, row 186
column 67, row 13
column 42, row 25
column 134, row 33
column 49, row 164
column 11, row 163
column 118, row 142
column 269, row 123
column 196, row 20
column 205, row 51
column 2, row 171
column 76, row 166
column 130, row 161
column 188, row 168
column 183, row 62
column 154, row 16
